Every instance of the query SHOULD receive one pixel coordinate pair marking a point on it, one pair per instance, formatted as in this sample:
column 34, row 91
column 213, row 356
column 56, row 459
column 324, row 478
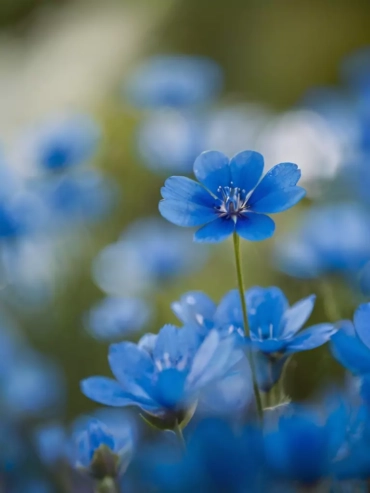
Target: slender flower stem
column 239, row 274
column 178, row 432
column 107, row 485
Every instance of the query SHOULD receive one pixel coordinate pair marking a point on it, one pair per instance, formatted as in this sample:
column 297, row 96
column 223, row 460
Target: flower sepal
column 170, row 420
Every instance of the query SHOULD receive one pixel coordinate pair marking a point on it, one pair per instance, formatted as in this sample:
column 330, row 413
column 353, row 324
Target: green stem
column 107, row 485
column 245, row 321
column 330, row 303
column 178, row 432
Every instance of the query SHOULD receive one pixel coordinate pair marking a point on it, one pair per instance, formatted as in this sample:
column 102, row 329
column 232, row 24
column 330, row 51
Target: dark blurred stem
column 107, row 485
column 178, row 432
column 239, row 274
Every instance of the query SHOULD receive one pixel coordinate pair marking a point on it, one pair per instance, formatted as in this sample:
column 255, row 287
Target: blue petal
column 174, row 345
column 212, row 169
column 195, row 308
column 278, row 201
column 297, row 315
column 170, row 387
column 186, row 190
column 212, row 360
column 266, row 308
column 98, row 435
column 284, row 175
column 229, row 311
column 105, row 391
column 315, row 336
column 133, row 368
column 255, row 227
column 215, row 231
column 246, row 169
column 347, row 348
column 186, row 214
column 361, row 322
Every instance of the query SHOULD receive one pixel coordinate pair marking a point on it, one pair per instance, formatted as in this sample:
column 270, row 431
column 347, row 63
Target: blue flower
column 61, row 142
column 331, row 239
column 230, row 196
column 273, row 325
column 218, row 459
column 176, row 81
column 351, row 344
column 303, row 446
column 169, row 140
column 34, row 385
column 114, row 318
column 99, row 452
column 166, row 382
column 82, row 196
column 149, row 252
column 51, row 443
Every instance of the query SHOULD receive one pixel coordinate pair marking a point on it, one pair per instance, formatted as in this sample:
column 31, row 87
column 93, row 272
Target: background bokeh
column 76, row 55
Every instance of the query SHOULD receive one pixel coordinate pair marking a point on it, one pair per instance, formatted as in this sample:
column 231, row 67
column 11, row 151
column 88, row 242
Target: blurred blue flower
column 51, row 443
column 351, row 344
column 60, row 143
column 113, row 318
column 79, row 196
column 169, row 140
column 176, row 81
column 230, row 196
column 149, row 252
column 303, row 446
column 273, row 325
column 218, row 459
column 331, row 239
column 33, row 385
column 167, row 382
column 99, row 452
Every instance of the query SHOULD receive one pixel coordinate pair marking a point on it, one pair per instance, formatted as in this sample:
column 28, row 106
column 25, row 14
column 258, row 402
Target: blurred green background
column 271, row 51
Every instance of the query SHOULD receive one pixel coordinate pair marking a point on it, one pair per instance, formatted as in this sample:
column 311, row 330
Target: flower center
column 233, row 202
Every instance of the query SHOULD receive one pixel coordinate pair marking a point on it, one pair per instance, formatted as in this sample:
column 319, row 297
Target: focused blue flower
column 165, row 383
column 113, row 318
column 100, row 453
column 60, row 143
column 351, row 344
column 274, row 326
column 331, row 239
column 176, row 81
column 149, row 252
column 230, row 196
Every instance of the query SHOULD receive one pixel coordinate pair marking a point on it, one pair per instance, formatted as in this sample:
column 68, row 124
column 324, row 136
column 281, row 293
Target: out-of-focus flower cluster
column 202, row 405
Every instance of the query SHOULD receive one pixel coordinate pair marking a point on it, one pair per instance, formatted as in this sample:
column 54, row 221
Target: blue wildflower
column 100, row 453
column 351, row 344
column 273, row 325
column 175, row 81
column 114, row 317
column 34, row 385
column 230, row 196
column 302, row 447
column 331, row 239
column 61, row 142
column 219, row 459
column 81, row 196
column 169, row 140
column 149, row 252
column 165, row 383
column 51, row 443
